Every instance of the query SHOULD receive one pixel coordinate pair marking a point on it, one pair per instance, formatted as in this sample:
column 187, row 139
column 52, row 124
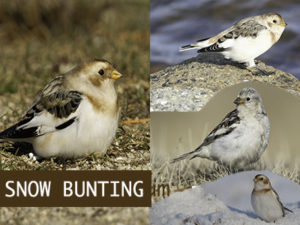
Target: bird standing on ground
column 265, row 200
column 245, row 40
column 76, row 113
column 241, row 137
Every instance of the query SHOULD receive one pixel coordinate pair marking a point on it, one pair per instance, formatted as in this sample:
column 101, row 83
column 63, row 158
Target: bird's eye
column 274, row 21
column 261, row 178
column 248, row 99
column 101, row 72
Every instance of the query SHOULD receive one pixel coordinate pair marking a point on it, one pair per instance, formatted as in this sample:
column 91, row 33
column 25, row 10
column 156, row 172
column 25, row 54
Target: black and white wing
column 52, row 110
column 282, row 207
column 227, row 125
column 224, row 40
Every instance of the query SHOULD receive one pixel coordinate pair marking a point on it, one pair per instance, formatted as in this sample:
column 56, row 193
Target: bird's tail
column 187, row 47
column 189, row 155
column 198, row 45
column 288, row 210
column 1, row 137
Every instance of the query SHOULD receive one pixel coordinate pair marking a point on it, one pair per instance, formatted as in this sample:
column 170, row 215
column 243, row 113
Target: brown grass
column 40, row 39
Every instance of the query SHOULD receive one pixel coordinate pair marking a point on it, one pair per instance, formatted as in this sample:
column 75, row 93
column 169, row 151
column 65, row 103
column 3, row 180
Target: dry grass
column 41, row 39
column 173, row 134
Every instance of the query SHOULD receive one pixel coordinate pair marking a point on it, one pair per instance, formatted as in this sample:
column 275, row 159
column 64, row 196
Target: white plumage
column 76, row 113
column 245, row 40
column 265, row 200
column 241, row 137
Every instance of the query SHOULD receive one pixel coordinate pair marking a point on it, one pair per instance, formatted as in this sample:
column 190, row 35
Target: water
column 180, row 22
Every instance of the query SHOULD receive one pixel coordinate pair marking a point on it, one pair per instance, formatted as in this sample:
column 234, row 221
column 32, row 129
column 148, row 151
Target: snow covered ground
column 225, row 201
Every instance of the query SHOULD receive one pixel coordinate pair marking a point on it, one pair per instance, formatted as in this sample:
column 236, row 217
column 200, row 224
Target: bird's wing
column 224, row 40
column 249, row 28
column 50, row 111
column 282, row 207
column 227, row 125
column 288, row 209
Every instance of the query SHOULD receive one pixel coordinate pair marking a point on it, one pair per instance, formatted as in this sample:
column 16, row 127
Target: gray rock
column 189, row 85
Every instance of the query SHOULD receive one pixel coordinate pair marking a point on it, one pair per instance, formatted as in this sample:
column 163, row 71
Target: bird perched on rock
column 240, row 138
column 245, row 40
column 76, row 113
column 265, row 200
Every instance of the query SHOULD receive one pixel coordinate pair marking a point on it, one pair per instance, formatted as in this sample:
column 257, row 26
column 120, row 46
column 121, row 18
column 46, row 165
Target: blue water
column 179, row 22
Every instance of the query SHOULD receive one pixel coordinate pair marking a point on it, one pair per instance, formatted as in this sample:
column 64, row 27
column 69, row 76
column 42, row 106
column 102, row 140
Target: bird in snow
column 265, row 200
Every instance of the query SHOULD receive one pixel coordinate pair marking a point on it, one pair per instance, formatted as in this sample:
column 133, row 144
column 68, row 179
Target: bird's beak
column 115, row 75
column 255, row 180
column 239, row 101
column 283, row 23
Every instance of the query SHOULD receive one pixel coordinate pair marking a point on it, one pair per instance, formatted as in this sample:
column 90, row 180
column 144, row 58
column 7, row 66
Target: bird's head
column 249, row 101
column 274, row 19
column 275, row 23
column 261, row 182
column 95, row 79
column 99, row 71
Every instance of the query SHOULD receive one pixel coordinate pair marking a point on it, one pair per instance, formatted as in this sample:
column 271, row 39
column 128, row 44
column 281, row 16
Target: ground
column 189, row 85
column 42, row 39
column 37, row 47
column 225, row 201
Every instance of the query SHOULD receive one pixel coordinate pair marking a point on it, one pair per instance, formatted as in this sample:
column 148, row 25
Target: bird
column 75, row 114
column 241, row 137
column 265, row 200
column 245, row 40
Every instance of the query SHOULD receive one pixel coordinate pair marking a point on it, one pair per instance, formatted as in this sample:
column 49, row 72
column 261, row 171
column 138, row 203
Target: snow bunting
column 241, row 137
column 265, row 201
column 245, row 40
column 76, row 113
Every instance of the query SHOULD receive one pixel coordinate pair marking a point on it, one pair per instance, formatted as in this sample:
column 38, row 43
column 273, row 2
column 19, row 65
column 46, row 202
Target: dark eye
column 261, row 178
column 248, row 99
column 101, row 72
column 274, row 21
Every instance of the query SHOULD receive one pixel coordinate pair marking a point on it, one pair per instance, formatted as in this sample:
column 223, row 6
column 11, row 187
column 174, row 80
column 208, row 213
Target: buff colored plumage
column 245, row 40
column 76, row 113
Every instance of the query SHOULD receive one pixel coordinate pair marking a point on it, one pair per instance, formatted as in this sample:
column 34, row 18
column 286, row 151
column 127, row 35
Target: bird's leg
column 256, row 70
column 34, row 157
column 251, row 63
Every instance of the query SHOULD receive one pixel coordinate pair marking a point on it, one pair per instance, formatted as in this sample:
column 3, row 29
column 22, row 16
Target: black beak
column 238, row 101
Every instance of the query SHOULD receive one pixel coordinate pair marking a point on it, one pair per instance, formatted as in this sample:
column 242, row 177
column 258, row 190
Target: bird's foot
column 258, row 71
column 255, row 69
column 261, row 71
column 34, row 157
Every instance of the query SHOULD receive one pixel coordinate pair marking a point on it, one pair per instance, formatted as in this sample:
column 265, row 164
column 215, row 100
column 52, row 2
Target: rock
column 189, row 85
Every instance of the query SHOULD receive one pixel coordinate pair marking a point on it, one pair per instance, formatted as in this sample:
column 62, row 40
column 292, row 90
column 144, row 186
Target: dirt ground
column 36, row 47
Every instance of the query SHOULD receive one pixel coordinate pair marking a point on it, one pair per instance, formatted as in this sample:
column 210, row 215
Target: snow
column 225, row 201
